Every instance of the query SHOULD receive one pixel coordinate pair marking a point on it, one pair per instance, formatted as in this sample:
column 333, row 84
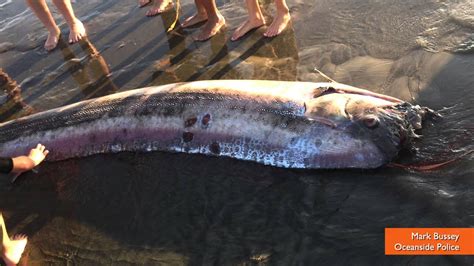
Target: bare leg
column 5, row 238
column 214, row 23
column 200, row 16
column 254, row 20
column 41, row 10
column 280, row 21
column 11, row 249
column 159, row 7
column 142, row 3
column 76, row 28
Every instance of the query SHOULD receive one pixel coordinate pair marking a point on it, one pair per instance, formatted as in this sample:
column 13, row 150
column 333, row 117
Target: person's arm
column 25, row 163
column 22, row 164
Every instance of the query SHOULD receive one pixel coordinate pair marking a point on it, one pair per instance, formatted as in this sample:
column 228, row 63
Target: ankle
column 54, row 31
column 220, row 17
column 74, row 23
column 202, row 14
column 257, row 19
column 215, row 19
column 283, row 11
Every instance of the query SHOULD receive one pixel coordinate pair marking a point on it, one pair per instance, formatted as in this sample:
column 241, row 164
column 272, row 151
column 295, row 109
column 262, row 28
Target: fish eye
column 371, row 121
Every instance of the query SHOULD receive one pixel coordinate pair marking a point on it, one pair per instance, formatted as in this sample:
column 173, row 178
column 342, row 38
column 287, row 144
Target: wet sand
column 159, row 208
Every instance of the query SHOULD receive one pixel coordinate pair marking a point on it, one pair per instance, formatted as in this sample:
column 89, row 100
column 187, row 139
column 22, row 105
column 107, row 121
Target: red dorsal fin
column 428, row 167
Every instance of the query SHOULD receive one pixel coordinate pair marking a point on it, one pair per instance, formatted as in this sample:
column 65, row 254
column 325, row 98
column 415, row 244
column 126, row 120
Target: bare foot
column 210, row 29
column 52, row 40
column 76, row 32
column 159, row 7
column 142, row 3
column 13, row 249
column 247, row 26
column 278, row 25
column 194, row 19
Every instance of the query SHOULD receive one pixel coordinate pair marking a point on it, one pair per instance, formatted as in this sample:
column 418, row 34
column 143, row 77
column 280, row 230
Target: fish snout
column 405, row 122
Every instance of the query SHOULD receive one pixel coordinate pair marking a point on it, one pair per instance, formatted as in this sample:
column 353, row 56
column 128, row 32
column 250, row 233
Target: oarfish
column 278, row 123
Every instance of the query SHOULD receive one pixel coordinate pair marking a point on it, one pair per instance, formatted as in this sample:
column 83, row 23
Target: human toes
column 142, row 3
column 201, row 37
column 236, row 35
column 271, row 32
column 74, row 37
column 19, row 237
column 153, row 12
column 77, row 32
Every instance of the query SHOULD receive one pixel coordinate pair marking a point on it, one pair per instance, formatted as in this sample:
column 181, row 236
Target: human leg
column 254, row 20
column 200, row 16
column 41, row 10
column 11, row 249
column 5, row 238
column 159, row 6
column 214, row 23
column 76, row 28
column 280, row 21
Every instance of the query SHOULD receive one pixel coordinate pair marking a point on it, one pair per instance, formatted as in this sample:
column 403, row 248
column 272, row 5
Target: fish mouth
column 384, row 124
column 403, row 122
column 390, row 124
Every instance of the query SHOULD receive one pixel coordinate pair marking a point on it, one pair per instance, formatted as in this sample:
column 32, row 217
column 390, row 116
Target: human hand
column 38, row 154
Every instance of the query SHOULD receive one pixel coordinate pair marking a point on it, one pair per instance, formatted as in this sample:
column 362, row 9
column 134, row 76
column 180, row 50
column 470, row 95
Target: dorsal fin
column 324, row 91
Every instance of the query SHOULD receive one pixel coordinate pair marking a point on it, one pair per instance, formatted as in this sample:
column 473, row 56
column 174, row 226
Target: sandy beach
column 177, row 209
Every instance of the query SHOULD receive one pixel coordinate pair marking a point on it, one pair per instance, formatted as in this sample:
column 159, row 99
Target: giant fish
column 278, row 123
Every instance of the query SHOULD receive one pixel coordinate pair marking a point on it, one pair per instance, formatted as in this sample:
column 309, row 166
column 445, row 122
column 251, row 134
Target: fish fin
column 428, row 167
column 324, row 75
column 14, row 176
column 323, row 120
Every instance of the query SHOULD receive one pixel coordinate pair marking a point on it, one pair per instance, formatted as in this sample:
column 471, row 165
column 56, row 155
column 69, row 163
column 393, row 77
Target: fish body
column 278, row 123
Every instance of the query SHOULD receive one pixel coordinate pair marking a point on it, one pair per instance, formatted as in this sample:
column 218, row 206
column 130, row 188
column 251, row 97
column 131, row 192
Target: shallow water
column 186, row 209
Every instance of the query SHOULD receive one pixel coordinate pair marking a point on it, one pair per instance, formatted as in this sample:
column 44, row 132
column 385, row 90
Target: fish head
column 367, row 130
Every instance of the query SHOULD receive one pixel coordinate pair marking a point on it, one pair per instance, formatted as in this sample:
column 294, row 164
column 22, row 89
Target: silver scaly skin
column 278, row 123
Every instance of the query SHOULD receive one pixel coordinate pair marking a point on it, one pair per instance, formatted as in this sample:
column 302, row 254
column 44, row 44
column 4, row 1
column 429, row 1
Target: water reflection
column 255, row 57
column 90, row 72
column 165, row 69
column 13, row 105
